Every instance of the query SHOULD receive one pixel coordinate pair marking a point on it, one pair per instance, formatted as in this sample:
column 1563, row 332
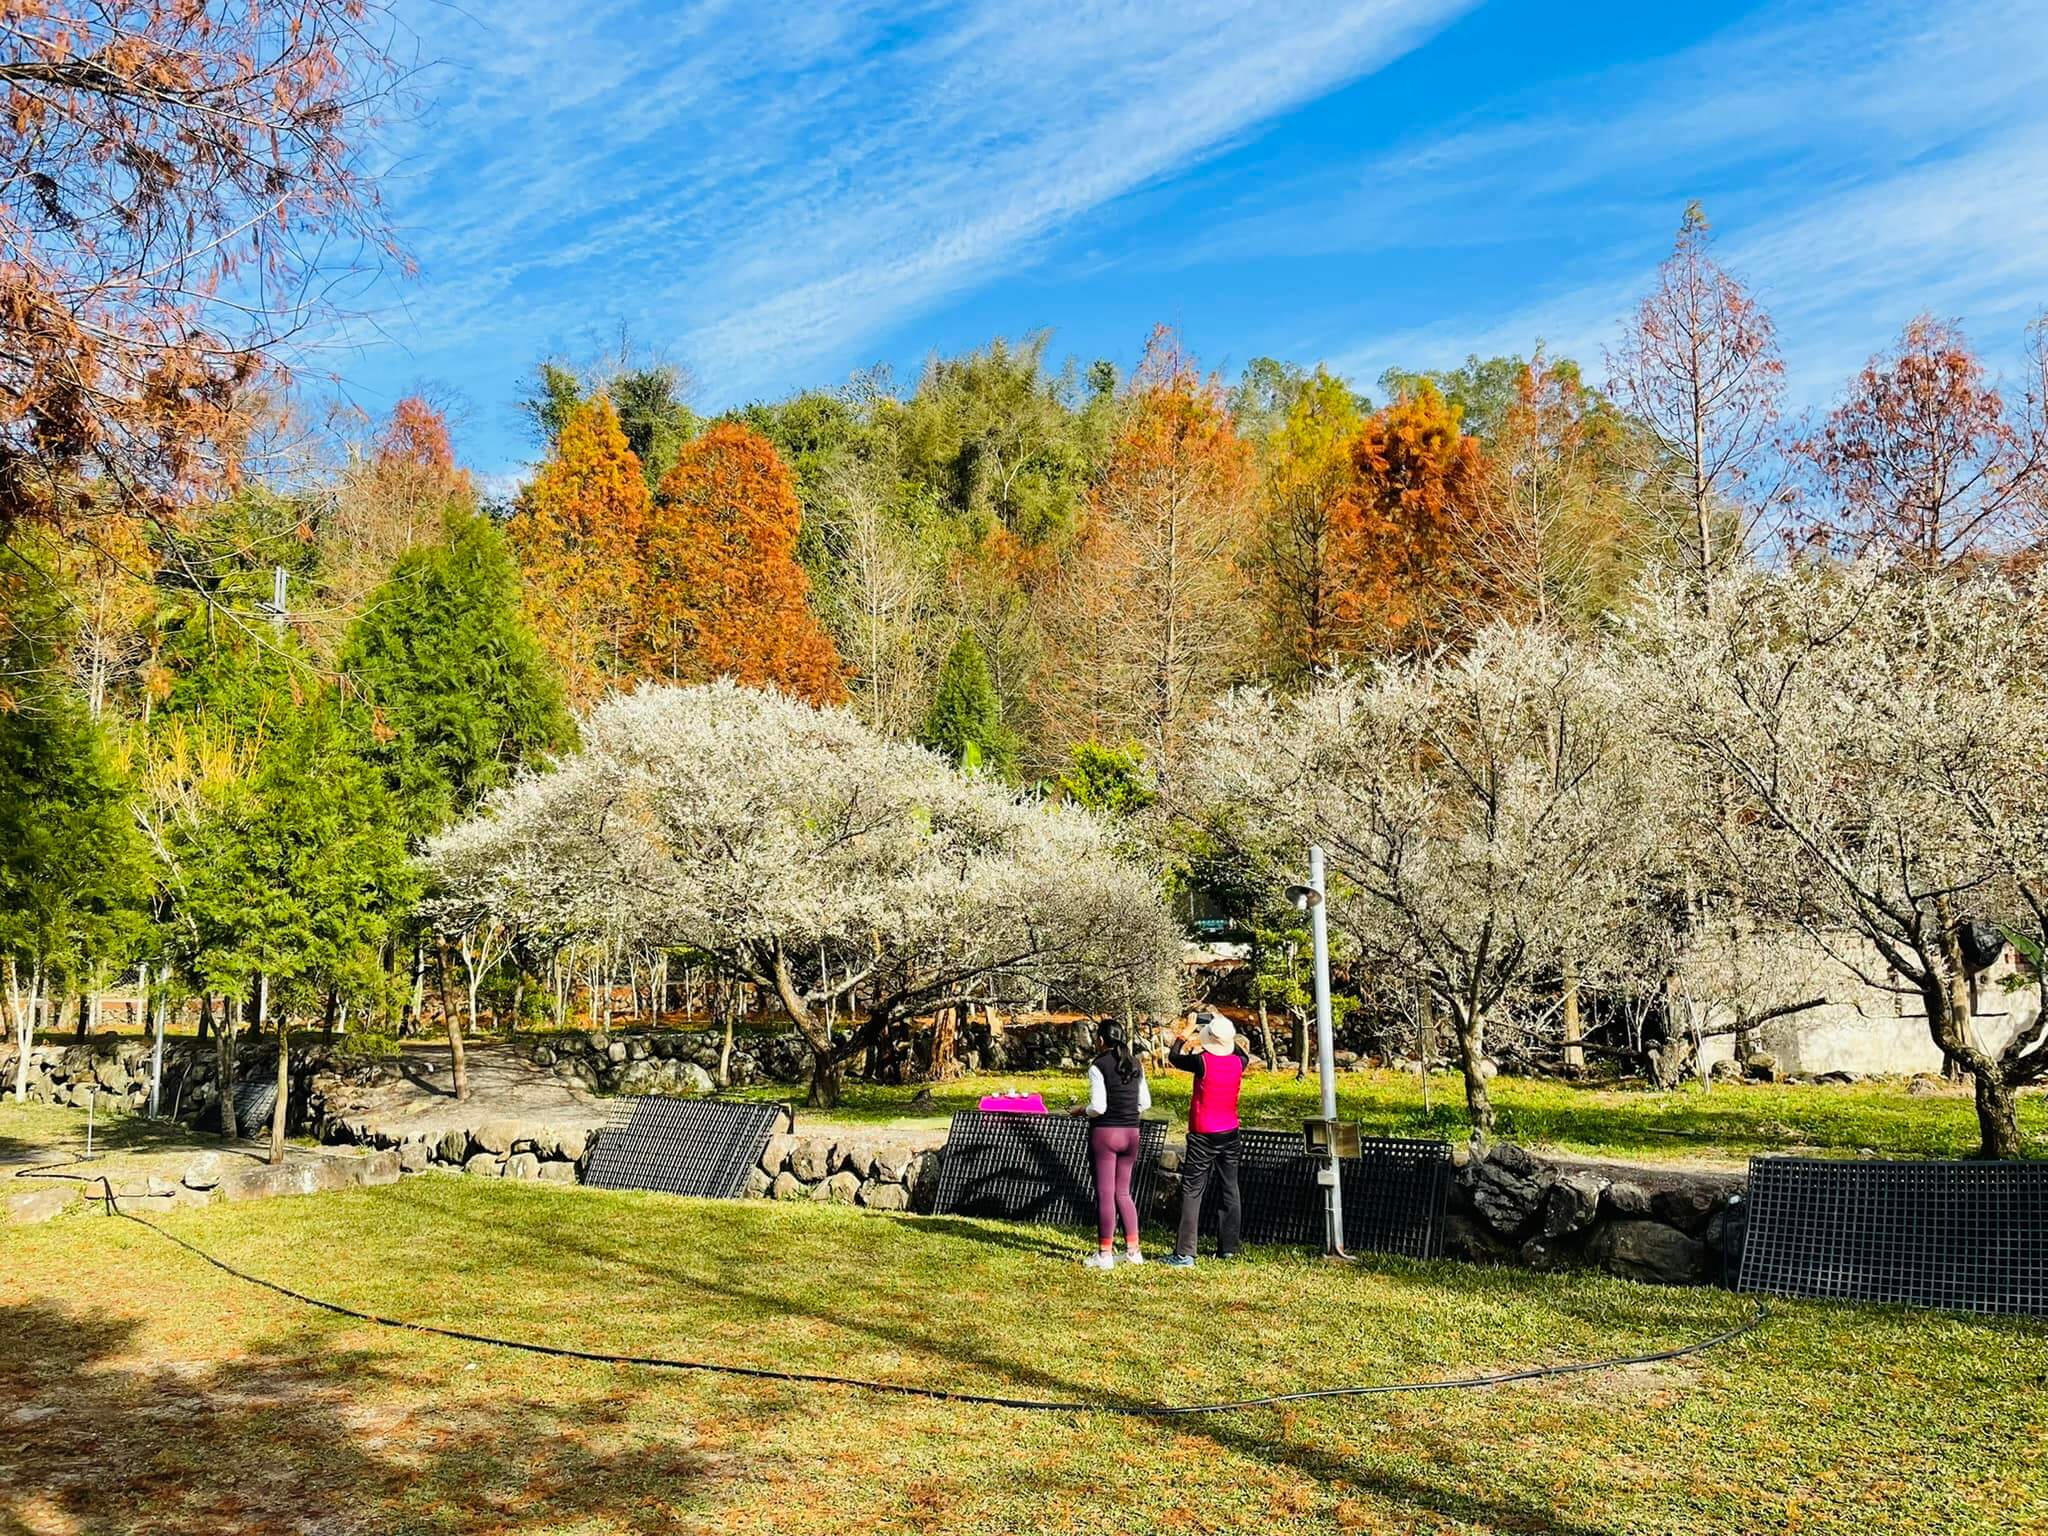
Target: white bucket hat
column 1219, row 1037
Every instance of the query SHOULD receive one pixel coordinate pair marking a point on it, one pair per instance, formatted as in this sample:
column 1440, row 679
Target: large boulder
column 775, row 1156
column 1651, row 1251
column 787, row 1186
column 498, row 1137
column 1506, row 1187
column 483, row 1165
column 453, row 1146
column 522, row 1165
column 1686, row 1206
column 840, row 1189
column 558, row 1173
column 885, row 1197
column 34, row 1205
column 203, row 1172
column 413, row 1156
column 811, row 1159
column 1571, row 1204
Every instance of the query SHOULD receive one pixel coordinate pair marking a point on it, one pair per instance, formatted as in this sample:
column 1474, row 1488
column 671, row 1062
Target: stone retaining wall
column 115, row 1073
column 1672, row 1226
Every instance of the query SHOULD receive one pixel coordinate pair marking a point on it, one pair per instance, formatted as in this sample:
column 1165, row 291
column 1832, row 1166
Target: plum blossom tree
column 1881, row 732
column 1483, row 816
column 798, row 850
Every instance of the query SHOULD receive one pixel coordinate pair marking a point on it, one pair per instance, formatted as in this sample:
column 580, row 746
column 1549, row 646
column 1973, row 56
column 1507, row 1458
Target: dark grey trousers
column 1210, row 1154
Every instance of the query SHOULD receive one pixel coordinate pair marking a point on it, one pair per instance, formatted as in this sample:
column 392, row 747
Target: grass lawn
column 1727, row 1120
column 148, row 1391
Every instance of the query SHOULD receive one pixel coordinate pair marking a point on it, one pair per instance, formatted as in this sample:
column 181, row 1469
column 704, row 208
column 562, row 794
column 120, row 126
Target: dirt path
column 420, row 1101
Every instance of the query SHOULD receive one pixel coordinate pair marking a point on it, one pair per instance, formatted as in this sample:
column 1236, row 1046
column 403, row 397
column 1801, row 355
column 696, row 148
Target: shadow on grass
column 295, row 1435
column 1252, row 1434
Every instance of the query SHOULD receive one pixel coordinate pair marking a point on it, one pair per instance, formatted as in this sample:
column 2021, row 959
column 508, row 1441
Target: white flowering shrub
column 1486, row 818
column 1867, row 752
column 800, row 851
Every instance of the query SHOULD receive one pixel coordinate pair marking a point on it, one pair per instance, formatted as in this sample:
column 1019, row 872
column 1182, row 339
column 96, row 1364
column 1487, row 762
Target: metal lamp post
column 1310, row 899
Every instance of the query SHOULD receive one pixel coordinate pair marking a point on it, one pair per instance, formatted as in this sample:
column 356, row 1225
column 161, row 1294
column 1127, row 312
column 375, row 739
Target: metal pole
column 1326, row 1063
column 156, row 1051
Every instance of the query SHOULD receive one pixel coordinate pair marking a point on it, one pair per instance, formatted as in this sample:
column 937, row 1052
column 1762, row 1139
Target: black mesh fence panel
column 255, row 1103
column 1032, row 1168
column 1968, row 1236
column 1395, row 1193
column 682, row 1146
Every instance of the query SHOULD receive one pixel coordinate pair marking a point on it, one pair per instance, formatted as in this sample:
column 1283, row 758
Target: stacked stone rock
column 115, row 1074
column 670, row 1061
column 513, row 1149
column 1668, row 1226
column 881, row 1175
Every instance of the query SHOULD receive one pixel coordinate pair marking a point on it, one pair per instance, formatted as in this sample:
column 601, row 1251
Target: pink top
column 1015, row 1104
column 1213, row 1108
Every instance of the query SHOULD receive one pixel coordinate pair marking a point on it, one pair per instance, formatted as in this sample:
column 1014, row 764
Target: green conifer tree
column 965, row 721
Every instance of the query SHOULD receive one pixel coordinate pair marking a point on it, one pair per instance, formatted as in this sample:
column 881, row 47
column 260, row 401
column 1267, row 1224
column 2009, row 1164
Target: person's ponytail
column 1117, row 1041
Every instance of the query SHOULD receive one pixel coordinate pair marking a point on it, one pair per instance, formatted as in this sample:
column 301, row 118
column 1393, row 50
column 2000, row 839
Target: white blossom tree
column 1882, row 735
column 798, row 850
column 1482, row 816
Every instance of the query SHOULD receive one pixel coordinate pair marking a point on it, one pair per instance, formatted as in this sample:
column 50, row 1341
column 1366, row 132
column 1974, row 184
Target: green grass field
column 1725, row 1120
column 147, row 1391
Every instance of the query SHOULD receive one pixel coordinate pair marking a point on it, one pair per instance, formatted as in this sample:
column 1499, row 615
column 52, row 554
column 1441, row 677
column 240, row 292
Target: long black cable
column 905, row 1389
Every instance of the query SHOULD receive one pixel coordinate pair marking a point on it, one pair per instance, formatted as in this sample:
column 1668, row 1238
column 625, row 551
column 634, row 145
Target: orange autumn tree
column 186, row 188
column 723, row 593
column 1400, row 537
column 1149, row 620
column 578, row 531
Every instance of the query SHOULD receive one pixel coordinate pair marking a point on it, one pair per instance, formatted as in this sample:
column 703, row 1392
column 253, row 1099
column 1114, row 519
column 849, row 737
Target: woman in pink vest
column 1218, row 1067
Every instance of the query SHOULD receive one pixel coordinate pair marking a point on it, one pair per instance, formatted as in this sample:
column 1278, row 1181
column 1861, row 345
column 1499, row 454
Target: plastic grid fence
column 1032, row 1168
column 255, row 1103
column 1395, row 1194
column 683, row 1146
column 1966, row 1236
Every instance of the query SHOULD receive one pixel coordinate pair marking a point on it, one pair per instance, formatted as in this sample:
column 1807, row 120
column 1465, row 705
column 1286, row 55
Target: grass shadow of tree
column 1447, row 1495
column 292, row 1437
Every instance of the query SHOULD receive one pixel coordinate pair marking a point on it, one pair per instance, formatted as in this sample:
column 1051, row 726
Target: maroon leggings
column 1115, row 1148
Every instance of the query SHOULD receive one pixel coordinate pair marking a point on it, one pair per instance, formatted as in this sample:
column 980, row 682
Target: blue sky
column 774, row 196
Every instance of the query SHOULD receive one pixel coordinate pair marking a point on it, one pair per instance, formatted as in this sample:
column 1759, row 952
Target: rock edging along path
column 210, row 1176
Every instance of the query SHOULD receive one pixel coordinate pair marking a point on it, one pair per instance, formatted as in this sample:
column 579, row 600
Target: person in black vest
column 1117, row 1095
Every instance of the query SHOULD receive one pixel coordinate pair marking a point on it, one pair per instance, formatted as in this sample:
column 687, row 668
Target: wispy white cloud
column 1862, row 164
column 764, row 187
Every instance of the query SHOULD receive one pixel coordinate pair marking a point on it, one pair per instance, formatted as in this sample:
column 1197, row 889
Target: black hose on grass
column 904, row 1389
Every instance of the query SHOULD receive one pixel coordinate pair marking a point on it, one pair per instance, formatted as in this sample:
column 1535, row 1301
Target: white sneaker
column 1102, row 1259
column 1132, row 1256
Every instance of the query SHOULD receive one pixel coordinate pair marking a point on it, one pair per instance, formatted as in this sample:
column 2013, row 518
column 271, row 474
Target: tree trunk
column 417, row 1005
column 224, row 1064
column 441, row 985
column 945, row 1046
column 456, row 1059
column 1998, row 1126
column 1574, row 1031
column 1266, row 1039
column 1471, row 1032
column 827, row 1077
column 1300, row 1044
column 23, row 1007
column 284, row 1075
column 723, row 1004
column 1425, row 1037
